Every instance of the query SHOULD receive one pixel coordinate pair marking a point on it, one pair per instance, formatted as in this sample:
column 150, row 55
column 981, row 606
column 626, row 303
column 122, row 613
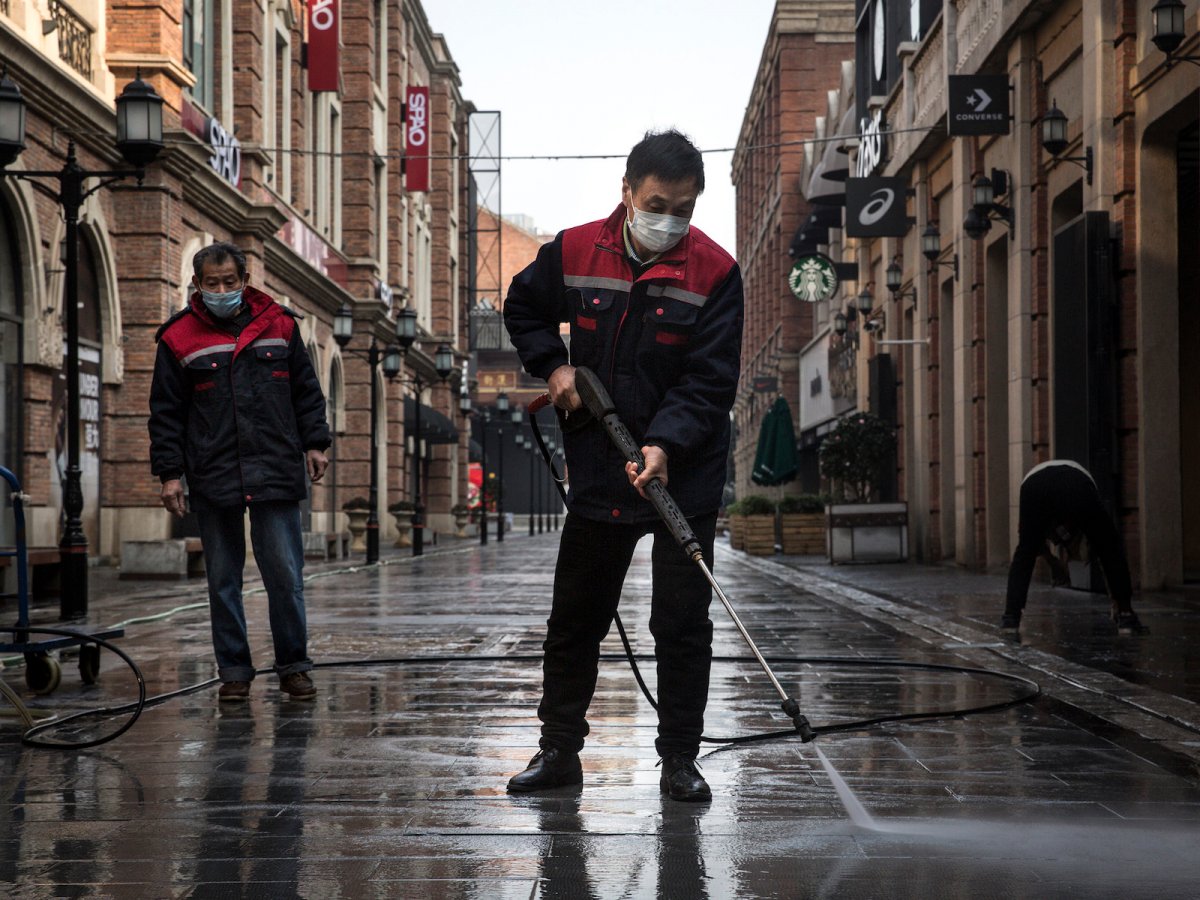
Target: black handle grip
column 598, row 402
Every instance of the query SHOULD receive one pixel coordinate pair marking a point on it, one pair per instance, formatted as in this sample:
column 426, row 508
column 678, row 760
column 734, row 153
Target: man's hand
column 172, row 497
column 562, row 389
column 656, row 467
column 317, row 463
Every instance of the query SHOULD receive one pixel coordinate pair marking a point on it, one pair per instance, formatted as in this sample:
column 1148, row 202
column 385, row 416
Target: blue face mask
column 223, row 306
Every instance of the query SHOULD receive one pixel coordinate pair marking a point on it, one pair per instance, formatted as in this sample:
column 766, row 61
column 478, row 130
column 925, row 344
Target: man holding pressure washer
column 655, row 309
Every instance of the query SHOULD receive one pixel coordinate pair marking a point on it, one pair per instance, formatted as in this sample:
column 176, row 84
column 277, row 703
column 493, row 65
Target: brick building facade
column 806, row 43
column 1060, row 334
column 310, row 184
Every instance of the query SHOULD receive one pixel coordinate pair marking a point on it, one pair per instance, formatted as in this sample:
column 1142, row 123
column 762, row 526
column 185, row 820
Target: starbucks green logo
column 813, row 278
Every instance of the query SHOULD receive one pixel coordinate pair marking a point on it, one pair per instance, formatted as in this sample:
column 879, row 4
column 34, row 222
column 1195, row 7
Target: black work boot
column 549, row 768
column 1128, row 622
column 1010, row 621
column 682, row 781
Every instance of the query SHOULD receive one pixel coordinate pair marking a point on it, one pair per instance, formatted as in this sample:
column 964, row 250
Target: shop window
column 199, row 43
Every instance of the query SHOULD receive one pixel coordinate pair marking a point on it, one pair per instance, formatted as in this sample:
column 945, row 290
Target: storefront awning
column 436, row 428
column 825, row 191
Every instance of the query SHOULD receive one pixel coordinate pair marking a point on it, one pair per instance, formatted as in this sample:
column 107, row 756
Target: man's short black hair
column 217, row 253
column 667, row 155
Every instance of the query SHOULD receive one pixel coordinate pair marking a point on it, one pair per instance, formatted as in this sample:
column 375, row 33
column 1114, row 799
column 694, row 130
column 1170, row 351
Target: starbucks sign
column 813, row 278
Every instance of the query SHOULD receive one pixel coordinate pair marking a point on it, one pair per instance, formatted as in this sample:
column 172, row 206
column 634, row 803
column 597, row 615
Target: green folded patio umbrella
column 775, row 461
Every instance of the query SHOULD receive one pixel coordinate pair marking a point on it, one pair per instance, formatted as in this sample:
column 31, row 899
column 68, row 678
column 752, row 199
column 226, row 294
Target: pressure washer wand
column 598, row 402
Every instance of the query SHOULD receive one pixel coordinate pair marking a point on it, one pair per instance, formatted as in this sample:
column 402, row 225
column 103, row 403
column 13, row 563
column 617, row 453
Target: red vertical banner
column 324, row 34
column 416, row 165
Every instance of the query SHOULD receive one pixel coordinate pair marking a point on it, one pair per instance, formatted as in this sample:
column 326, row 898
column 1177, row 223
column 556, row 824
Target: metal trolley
column 42, row 670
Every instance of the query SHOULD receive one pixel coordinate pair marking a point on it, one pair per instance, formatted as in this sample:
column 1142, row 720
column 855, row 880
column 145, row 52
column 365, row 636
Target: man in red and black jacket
column 655, row 309
column 236, row 408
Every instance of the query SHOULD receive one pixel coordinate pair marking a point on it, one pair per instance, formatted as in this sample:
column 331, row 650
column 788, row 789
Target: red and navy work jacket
column 235, row 414
column 666, row 343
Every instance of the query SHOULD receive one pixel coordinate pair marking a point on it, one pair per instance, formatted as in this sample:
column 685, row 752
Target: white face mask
column 658, row 231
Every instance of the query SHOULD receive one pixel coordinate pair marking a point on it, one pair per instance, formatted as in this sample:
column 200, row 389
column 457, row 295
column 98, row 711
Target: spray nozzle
column 799, row 721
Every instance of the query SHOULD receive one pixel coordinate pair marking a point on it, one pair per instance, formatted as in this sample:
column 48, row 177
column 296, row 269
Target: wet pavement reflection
column 391, row 784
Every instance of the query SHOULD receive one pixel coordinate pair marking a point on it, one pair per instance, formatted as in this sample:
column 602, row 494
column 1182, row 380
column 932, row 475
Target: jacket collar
column 612, row 237
column 257, row 300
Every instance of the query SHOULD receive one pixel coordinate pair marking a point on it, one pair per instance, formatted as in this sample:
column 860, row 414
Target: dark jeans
column 1063, row 496
column 279, row 552
column 593, row 558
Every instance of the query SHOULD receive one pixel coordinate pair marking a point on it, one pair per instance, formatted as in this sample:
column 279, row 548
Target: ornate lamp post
column 527, row 444
column 139, row 139
column 343, row 330
column 443, row 364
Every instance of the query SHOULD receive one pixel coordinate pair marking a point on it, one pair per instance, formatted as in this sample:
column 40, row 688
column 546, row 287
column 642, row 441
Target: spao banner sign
column 416, row 163
column 875, row 207
column 324, row 39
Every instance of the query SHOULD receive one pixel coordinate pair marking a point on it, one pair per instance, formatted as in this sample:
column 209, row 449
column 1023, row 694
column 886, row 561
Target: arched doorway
column 90, row 411
column 11, row 342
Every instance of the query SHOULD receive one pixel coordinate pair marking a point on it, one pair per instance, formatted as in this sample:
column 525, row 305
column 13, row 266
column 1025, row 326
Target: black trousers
column 593, row 558
column 1063, row 496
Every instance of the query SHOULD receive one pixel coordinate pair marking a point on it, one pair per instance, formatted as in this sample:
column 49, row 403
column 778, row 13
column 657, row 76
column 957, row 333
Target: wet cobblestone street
column 392, row 783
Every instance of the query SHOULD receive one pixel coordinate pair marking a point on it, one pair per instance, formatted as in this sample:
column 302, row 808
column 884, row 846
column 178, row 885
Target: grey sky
column 575, row 77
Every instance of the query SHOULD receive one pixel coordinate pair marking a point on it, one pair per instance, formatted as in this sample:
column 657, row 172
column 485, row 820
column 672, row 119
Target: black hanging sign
column 978, row 104
column 875, row 207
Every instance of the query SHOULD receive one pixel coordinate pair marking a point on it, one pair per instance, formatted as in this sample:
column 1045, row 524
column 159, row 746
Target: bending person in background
column 1059, row 504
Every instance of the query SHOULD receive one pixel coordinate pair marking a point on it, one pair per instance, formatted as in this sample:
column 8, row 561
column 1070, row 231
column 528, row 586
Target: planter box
column 868, row 532
column 803, row 534
column 760, row 535
column 737, row 532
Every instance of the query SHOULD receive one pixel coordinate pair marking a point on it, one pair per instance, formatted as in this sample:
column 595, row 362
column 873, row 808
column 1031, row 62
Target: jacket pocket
column 670, row 322
column 591, row 310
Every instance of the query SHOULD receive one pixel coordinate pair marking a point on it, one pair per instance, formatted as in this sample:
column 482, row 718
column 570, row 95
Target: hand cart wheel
column 42, row 673
column 89, row 663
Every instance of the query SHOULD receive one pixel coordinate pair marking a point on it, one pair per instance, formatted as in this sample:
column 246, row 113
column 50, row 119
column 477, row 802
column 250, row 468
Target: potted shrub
column 358, row 510
column 760, row 525
column 737, row 525
column 462, row 515
column 402, row 511
column 860, row 528
column 802, row 524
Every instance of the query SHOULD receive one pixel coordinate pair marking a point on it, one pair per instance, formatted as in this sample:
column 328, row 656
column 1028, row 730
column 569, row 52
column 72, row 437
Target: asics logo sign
column 878, row 206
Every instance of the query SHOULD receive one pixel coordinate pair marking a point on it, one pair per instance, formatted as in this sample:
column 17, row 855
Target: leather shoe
column 298, row 686
column 549, row 768
column 233, row 691
column 682, row 781
column 1010, row 621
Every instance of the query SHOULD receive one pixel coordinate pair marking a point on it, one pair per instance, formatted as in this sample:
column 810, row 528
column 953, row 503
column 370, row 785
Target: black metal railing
column 488, row 331
column 74, row 38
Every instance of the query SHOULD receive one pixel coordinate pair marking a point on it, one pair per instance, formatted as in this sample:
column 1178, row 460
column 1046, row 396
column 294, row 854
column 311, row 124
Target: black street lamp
column 527, row 445
column 139, row 139
column 894, row 280
column 1054, row 140
column 931, row 249
column 984, row 207
column 343, row 331
column 1167, row 18
column 443, row 364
